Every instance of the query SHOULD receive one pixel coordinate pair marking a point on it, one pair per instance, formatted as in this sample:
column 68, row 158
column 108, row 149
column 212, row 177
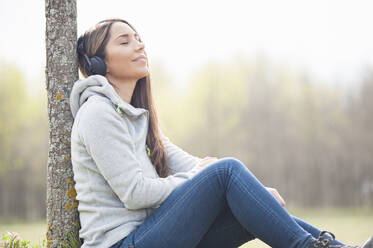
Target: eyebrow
column 126, row 35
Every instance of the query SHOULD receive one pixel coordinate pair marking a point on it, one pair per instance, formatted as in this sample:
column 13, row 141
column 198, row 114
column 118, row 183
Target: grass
column 31, row 231
column 350, row 226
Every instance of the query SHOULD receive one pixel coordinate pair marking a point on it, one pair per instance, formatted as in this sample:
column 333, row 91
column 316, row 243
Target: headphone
column 94, row 65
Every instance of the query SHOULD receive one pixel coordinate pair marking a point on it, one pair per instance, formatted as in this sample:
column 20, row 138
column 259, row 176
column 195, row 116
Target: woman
column 136, row 188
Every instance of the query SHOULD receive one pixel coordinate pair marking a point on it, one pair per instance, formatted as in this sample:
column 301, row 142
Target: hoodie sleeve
column 178, row 159
column 106, row 137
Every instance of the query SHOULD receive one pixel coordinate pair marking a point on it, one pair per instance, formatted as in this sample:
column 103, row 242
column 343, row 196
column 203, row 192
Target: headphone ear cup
column 87, row 67
column 98, row 66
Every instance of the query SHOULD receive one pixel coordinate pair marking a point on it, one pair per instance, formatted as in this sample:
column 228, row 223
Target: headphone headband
column 80, row 47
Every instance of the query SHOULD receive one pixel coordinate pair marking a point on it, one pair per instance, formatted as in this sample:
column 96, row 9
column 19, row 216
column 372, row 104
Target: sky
column 330, row 39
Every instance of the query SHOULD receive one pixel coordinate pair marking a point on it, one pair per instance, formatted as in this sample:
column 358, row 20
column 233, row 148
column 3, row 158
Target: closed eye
column 138, row 38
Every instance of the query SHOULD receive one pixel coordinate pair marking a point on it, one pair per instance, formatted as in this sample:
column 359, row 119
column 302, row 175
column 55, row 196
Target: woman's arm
column 109, row 143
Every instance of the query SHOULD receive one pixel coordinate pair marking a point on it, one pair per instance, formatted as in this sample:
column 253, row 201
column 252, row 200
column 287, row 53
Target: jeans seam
column 160, row 221
column 231, row 179
column 269, row 211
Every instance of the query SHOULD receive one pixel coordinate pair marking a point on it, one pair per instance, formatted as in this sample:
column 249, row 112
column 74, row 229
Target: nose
column 140, row 45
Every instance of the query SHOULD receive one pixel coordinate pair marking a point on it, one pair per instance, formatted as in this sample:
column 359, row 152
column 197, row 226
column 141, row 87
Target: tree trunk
column 61, row 71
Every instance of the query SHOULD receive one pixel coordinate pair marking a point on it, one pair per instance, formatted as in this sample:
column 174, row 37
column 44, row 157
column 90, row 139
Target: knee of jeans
column 231, row 163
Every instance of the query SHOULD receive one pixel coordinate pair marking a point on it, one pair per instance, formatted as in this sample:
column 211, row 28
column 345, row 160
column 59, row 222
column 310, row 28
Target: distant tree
column 61, row 71
column 12, row 100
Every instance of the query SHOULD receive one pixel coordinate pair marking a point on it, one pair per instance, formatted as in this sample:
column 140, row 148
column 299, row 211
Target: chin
column 143, row 74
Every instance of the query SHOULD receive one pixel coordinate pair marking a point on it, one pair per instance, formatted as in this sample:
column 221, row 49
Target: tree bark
column 61, row 71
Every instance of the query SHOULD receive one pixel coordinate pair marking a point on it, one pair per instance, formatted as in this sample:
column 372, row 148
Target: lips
column 140, row 57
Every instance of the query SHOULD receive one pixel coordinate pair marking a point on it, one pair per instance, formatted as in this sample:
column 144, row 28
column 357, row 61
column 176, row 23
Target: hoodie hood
column 99, row 85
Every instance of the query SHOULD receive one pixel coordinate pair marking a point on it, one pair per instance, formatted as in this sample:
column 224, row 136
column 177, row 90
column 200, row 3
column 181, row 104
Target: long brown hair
column 95, row 40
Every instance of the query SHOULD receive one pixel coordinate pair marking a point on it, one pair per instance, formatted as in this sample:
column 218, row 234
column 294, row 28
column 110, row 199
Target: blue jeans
column 225, row 206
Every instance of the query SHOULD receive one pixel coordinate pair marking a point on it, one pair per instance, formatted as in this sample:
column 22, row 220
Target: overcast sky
column 331, row 39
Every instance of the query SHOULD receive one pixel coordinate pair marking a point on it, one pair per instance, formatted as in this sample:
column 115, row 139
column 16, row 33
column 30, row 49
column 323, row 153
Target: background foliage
column 311, row 141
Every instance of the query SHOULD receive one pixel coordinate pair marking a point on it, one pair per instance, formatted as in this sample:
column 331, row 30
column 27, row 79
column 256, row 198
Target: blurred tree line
column 23, row 148
column 310, row 140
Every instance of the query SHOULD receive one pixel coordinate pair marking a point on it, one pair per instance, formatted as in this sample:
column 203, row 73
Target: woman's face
column 123, row 47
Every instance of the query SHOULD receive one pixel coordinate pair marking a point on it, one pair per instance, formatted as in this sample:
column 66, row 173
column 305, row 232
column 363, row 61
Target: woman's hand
column 276, row 195
column 207, row 161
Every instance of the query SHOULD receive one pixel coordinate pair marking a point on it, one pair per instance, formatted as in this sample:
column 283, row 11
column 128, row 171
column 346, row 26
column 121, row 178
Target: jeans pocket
column 127, row 243
column 122, row 245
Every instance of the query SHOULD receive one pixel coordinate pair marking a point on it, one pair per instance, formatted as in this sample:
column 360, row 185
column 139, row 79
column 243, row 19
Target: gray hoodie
column 116, row 183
